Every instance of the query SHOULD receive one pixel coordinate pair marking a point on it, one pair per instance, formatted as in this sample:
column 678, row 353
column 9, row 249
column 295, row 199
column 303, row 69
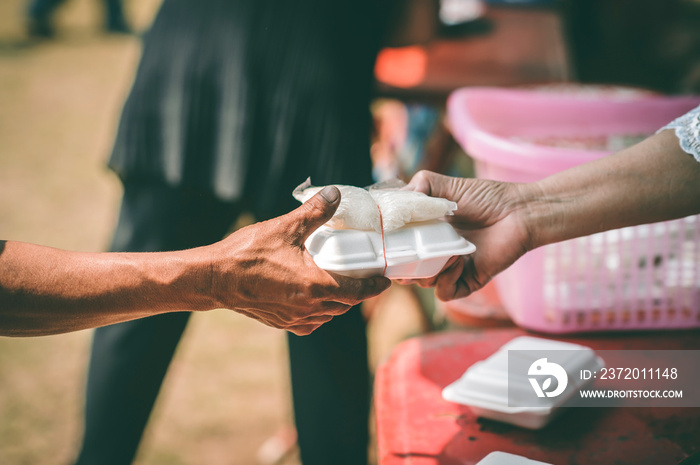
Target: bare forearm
column 262, row 271
column 652, row 181
column 48, row 291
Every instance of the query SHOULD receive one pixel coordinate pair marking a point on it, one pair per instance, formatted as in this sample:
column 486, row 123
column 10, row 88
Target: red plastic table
column 415, row 426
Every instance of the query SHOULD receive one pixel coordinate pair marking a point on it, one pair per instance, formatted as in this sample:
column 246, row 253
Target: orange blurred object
column 401, row 67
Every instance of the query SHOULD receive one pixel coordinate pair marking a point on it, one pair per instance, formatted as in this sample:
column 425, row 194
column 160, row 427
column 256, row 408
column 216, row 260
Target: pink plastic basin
column 644, row 277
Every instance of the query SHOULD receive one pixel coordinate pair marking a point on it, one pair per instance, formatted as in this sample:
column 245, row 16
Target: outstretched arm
column 654, row 180
column 46, row 291
column 262, row 271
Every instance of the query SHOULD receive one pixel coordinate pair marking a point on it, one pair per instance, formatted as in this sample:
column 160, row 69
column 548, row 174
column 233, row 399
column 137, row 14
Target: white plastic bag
column 380, row 205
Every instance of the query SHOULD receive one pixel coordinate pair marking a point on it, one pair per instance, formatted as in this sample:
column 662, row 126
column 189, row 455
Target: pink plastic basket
column 643, row 277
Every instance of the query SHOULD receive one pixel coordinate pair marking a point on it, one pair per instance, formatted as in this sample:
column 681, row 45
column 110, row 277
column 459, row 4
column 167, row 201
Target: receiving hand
column 490, row 215
column 264, row 271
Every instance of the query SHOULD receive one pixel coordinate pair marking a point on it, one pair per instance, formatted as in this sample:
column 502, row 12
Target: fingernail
column 330, row 193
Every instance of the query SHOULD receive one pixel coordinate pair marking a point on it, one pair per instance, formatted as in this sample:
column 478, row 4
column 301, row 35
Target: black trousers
column 329, row 370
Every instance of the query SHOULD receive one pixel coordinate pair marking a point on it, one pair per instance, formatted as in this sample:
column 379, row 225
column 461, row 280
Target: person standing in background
column 234, row 103
column 40, row 13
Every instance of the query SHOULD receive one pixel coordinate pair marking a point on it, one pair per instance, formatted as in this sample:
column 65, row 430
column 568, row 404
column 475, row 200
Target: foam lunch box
column 503, row 458
column 484, row 387
column 417, row 250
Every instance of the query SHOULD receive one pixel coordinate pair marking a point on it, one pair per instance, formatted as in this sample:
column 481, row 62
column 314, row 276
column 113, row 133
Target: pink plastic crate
column 643, row 277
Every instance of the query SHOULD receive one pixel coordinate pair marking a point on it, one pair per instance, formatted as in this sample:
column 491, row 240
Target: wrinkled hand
column 264, row 271
column 490, row 215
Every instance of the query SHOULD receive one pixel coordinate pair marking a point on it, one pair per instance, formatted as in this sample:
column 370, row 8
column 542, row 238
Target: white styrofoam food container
column 417, row 250
column 484, row 386
column 503, row 458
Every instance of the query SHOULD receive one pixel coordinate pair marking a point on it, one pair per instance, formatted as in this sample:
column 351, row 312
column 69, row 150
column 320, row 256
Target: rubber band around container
column 381, row 225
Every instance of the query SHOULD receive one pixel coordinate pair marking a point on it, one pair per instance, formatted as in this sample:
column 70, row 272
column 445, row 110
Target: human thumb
column 313, row 213
column 421, row 182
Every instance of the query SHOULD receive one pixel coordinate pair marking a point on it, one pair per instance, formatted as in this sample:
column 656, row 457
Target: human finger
column 312, row 214
column 303, row 330
column 433, row 184
column 420, row 182
column 352, row 291
column 286, row 319
column 334, row 308
column 261, row 317
column 447, row 282
column 316, row 319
